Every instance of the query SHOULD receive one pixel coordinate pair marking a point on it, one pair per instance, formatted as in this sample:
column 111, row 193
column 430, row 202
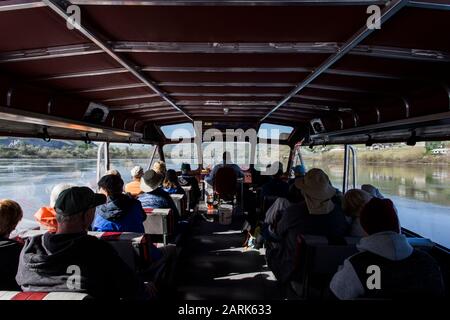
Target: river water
column 420, row 192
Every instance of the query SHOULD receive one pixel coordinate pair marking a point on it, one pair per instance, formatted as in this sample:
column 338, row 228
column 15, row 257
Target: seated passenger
column 134, row 187
column 299, row 172
column 275, row 212
column 121, row 212
column 275, row 187
column 113, row 172
column 10, row 215
column 226, row 157
column 160, row 168
column 46, row 216
column 354, row 201
column 187, row 179
column 171, row 184
column 49, row 262
column 320, row 214
column 154, row 196
column 374, row 192
column 404, row 271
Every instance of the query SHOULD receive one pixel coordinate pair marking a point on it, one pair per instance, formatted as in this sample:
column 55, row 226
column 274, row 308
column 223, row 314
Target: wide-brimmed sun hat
column 150, row 180
column 317, row 190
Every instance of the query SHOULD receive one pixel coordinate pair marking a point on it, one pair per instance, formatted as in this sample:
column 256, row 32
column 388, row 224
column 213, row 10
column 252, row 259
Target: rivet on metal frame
column 125, row 124
column 377, row 110
column 49, row 106
column 341, row 123
column 355, row 119
column 9, row 97
column 407, row 109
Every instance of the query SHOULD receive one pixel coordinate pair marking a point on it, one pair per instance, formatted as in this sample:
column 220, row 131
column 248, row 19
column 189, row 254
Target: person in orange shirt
column 134, row 187
column 46, row 216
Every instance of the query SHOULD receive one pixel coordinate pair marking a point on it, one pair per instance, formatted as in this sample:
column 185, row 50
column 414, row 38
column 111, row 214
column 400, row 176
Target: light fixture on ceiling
column 226, row 111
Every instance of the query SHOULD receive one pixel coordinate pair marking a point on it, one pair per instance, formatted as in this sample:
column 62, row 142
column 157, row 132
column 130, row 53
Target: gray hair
column 56, row 191
column 60, row 218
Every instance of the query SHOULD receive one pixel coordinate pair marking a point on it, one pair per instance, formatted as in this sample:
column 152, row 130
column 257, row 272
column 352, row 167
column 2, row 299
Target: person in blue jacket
column 121, row 212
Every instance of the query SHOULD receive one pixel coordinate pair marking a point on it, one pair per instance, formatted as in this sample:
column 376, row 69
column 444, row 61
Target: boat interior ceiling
column 154, row 63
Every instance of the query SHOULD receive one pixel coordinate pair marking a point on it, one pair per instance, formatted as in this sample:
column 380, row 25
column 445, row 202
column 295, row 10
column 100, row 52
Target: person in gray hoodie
column 72, row 260
column 387, row 266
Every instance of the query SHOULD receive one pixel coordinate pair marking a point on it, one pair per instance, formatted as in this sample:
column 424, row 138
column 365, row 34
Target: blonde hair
column 354, row 201
column 113, row 172
column 10, row 215
column 160, row 167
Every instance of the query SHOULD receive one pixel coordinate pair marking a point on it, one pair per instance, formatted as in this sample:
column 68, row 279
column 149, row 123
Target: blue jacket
column 158, row 199
column 121, row 213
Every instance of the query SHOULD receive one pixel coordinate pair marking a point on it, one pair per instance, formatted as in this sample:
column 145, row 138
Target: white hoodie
column 390, row 245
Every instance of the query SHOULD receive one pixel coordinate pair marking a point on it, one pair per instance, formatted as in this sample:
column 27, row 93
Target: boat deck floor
column 214, row 265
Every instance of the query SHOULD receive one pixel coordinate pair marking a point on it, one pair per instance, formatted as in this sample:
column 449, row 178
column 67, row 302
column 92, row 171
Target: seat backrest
column 317, row 259
column 178, row 199
column 34, row 296
column 225, row 182
column 159, row 221
column 129, row 245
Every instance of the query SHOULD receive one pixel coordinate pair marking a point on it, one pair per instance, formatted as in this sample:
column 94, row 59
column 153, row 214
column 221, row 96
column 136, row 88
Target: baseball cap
column 77, row 199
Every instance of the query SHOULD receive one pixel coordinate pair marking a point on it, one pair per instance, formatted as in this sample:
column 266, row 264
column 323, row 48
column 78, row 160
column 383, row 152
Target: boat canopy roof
column 315, row 65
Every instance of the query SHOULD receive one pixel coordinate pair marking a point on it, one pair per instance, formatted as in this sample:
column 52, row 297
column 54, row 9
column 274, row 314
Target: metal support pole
column 354, row 164
column 107, row 158
column 155, row 148
column 346, row 166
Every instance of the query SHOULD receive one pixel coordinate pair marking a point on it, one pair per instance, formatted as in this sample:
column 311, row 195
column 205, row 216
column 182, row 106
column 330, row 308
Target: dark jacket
column 187, row 180
column 159, row 199
column 275, row 188
column 9, row 261
column 46, row 262
column 296, row 220
column 120, row 213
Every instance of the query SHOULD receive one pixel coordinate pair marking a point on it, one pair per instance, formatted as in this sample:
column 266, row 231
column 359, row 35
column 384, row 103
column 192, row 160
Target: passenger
column 354, row 201
column 320, row 214
column 275, row 212
column 160, row 168
column 154, row 196
column 113, row 172
column 48, row 261
column 226, row 157
column 134, row 187
column 121, row 212
column 372, row 190
column 404, row 271
column 46, row 216
column 299, row 172
column 10, row 215
column 276, row 187
column 171, row 184
column 187, row 179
